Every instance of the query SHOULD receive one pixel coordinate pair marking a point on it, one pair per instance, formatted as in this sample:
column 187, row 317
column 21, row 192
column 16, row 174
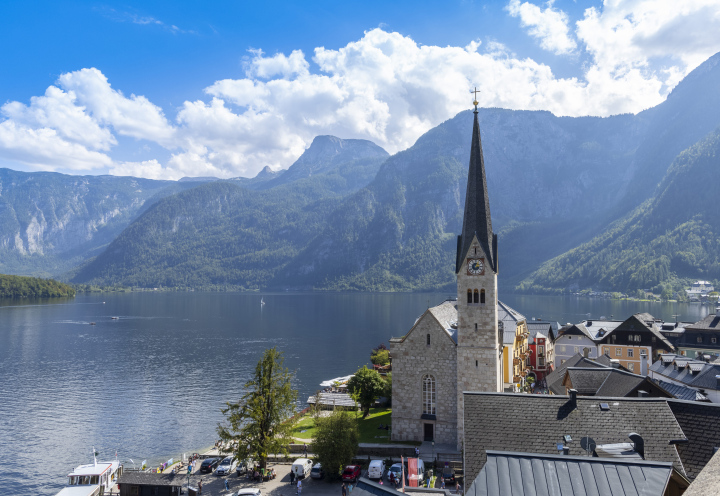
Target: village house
column 512, row 324
column 635, row 343
column 699, row 375
column 701, row 337
column 540, row 343
column 571, row 340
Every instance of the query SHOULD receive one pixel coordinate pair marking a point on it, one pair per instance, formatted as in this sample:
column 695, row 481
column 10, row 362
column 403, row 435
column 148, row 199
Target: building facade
column 636, row 343
column 571, row 340
column 702, row 337
column 470, row 347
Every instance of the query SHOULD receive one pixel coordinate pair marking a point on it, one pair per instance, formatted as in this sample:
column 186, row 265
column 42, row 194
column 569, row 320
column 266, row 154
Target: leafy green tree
column 336, row 441
column 380, row 355
column 366, row 386
column 258, row 423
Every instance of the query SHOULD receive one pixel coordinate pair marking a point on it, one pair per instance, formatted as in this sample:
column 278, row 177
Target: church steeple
column 476, row 221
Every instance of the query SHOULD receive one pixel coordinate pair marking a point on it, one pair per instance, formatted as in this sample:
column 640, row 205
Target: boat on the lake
column 93, row 479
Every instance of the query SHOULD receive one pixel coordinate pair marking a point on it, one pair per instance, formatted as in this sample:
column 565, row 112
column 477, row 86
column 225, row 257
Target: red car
column 351, row 473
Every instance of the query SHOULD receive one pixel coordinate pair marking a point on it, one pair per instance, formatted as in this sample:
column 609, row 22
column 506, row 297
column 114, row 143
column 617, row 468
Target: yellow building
column 512, row 326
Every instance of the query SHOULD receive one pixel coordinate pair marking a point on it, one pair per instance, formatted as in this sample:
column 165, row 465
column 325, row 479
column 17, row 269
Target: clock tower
column 476, row 267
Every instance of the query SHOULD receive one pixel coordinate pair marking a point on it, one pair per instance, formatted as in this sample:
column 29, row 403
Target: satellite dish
column 588, row 444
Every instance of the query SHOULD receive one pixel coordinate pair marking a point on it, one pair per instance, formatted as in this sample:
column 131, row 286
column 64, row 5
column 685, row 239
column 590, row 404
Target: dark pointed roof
column 476, row 221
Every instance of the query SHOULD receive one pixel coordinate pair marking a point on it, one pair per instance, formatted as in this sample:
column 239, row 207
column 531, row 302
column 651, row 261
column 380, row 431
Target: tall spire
column 476, row 221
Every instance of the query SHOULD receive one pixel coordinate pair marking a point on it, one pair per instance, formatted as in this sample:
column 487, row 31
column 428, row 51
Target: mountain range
column 577, row 202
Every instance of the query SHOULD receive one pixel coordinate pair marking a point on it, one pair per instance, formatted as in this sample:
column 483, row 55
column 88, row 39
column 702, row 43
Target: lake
column 150, row 384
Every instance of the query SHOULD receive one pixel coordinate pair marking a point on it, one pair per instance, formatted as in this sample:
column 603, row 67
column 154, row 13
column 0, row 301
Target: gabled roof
column 710, row 323
column 700, row 423
column 574, row 330
column 681, row 392
column 476, row 220
column 639, row 322
column 555, row 378
column 586, row 380
column 508, row 473
column 693, row 373
column 536, row 423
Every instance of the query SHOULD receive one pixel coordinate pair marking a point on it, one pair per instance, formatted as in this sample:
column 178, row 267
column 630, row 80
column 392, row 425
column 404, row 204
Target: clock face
column 475, row 266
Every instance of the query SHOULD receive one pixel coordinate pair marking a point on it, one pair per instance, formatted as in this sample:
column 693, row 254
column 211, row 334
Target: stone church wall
column 411, row 360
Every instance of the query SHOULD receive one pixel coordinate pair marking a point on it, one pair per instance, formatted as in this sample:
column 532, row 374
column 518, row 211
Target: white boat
column 94, row 479
column 262, row 301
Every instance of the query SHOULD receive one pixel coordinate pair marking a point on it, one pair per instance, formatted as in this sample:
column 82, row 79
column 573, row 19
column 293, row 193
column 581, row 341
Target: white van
column 376, row 469
column 302, row 467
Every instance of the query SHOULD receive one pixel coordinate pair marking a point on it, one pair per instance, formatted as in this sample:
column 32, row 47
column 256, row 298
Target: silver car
column 227, row 466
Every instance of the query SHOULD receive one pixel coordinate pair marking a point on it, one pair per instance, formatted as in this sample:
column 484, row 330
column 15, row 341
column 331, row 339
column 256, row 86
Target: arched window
column 482, row 296
column 475, row 296
column 428, row 339
column 469, row 295
column 428, row 388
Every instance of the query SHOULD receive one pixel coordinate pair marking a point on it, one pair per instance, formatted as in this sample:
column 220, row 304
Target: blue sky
column 170, row 89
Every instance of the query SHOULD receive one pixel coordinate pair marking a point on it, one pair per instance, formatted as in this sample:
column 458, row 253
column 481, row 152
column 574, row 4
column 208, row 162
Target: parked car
column 209, row 464
column 247, row 491
column 302, row 467
column 242, row 467
column 351, row 473
column 396, row 471
column 227, row 466
column 420, row 472
column 317, row 472
column 376, row 470
column 448, row 474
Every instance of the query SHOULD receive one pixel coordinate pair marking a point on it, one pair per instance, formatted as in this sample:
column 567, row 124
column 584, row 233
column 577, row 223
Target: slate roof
column 555, row 378
column 586, row 380
column 535, row 423
column 150, row 479
column 594, row 327
column 509, row 319
column 574, row 330
column 544, row 328
column 700, row 423
column 710, row 323
column 681, row 392
column 693, row 373
column 446, row 314
column 530, row 474
column 708, row 482
column 476, row 219
column 620, row 383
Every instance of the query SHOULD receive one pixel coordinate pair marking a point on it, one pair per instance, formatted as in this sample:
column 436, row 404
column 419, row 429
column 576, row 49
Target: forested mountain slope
column 222, row 234
column 668, row 240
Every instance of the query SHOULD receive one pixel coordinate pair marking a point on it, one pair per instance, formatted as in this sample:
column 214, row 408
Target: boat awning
column 80, row 491
column 332, row 382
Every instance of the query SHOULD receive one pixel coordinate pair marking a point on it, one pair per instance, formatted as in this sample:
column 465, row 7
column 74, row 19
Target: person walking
column 227, row 486
column 344, row 489
column 292, row 477
column 442, row 483
column 299, row 487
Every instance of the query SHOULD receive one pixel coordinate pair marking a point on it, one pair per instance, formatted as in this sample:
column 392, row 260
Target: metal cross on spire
column 475, row 100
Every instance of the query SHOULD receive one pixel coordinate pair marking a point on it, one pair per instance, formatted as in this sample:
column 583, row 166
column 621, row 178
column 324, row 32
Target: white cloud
column 43, row 148
column 548, row 25
column 135, row 116
column 627, row 35
column 384, row 87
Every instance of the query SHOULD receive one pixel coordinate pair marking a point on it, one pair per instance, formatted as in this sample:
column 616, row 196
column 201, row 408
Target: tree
column 258, row 422
column 336, row 441
column 380, row 355
column 366, row 386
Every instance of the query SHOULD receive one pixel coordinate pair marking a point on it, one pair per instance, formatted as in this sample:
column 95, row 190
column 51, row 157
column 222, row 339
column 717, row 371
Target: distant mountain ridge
column 346, row 216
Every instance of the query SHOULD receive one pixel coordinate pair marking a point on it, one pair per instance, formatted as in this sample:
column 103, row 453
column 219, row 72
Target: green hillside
column 32, row 287
column 220, row 234
column 667, row 241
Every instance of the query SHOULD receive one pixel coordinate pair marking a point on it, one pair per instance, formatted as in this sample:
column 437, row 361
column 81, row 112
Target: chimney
column 642, row 394
column 638, row 443
column 586, row 352
column 643, row 364
column 573, row 397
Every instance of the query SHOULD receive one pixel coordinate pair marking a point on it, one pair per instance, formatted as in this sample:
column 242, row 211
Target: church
column 455, row 346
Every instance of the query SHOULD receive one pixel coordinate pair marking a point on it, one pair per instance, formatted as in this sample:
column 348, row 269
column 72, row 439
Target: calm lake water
column 150, row 384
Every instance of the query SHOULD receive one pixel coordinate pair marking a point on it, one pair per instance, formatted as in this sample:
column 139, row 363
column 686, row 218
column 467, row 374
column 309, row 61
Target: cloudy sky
column 171, row 89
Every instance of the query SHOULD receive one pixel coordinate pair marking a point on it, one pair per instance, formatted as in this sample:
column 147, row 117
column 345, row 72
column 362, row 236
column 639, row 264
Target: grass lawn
column 368, row 427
